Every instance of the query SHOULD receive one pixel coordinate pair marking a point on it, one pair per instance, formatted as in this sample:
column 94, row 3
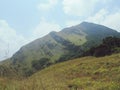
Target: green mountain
column 67, row 44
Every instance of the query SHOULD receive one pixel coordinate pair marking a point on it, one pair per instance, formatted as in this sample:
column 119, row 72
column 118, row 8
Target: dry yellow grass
column 88, row 73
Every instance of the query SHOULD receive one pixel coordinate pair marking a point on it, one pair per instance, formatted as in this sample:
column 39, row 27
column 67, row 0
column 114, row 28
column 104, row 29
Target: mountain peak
column 87, row 23
column 53, row 32
column 84, row 22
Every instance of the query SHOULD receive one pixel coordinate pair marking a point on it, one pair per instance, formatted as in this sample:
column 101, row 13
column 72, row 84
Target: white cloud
column 44, row 28
column 79, row 7
column 47, row 5
column 106, row 18
column 10, row 41
column 113, row 21
column 98, row 17
column 84, row 8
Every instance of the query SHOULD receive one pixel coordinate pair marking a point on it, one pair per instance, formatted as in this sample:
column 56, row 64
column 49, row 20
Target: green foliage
column 74, row 52
column 40, row 64
column 109, row 45
column 29, row 72
column 112, row 42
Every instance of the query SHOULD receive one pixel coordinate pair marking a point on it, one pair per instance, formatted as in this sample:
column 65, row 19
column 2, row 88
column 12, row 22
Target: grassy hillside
column 88, row 73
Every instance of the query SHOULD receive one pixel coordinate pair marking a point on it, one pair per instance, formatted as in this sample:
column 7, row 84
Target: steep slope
column 88, row 73
column 69, row 42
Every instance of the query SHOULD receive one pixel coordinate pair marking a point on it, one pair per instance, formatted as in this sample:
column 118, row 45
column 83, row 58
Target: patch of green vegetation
column 76, row 39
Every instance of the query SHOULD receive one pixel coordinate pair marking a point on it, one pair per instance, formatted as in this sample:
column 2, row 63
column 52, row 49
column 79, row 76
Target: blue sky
column 22, row 21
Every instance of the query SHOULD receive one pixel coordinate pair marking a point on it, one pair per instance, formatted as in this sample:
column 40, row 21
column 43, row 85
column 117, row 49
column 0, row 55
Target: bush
column 40, row 64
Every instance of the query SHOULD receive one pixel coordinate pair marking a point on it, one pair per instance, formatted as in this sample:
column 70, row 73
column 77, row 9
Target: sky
column 22, row 21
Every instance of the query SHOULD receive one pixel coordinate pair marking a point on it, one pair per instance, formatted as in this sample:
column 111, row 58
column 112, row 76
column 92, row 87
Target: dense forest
column 109, row 45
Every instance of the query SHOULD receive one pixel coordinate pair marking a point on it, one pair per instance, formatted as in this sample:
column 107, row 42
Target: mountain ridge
column 67, row 44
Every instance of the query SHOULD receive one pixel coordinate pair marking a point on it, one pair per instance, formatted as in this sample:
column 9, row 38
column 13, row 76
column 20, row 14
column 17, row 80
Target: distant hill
column 55, row 47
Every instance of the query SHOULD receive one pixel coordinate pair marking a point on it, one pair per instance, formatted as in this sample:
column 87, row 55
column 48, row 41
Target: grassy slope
column 88, row 73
